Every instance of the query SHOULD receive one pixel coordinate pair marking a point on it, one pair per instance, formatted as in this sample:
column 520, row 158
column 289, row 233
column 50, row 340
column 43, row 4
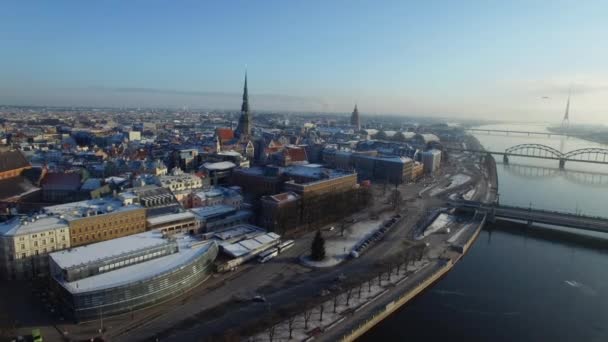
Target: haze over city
column 512, row 60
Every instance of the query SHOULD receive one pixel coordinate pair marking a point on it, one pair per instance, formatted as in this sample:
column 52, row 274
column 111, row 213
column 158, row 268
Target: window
column 35, row 243
column 52, row 240
column 23, row 255
column 22, row 246
column 36, row 252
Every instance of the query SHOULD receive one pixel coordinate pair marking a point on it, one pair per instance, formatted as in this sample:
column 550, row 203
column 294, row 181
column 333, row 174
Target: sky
column 506, row 60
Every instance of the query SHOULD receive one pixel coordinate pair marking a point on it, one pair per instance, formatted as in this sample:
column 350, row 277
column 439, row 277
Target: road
column 187, row 324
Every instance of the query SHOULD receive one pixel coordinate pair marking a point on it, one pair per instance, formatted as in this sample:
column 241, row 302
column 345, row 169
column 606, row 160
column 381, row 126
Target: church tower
column 243, row 129
column 354, row 119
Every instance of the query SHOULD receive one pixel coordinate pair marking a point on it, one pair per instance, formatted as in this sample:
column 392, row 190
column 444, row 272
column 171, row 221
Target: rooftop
column 153, row 221
column 93, row 207
column 24, row 226
column 11, row 160
column 220, row 166
column 106, row 249
column 189, row 250
column 212, row 210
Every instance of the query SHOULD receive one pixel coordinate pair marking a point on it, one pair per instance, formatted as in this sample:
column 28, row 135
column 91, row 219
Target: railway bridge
column 530, row 216
column 593, row 155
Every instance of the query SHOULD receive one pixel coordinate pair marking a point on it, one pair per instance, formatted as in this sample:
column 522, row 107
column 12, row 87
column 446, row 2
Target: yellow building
column 25, row 243
column 100, row 219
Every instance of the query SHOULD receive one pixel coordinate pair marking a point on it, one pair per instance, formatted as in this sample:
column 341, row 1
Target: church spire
column 243, row 129
column 355, row 121
column 245, row 105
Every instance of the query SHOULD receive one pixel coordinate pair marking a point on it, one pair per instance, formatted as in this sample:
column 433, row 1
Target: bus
column 267, row 255
column 285, row 245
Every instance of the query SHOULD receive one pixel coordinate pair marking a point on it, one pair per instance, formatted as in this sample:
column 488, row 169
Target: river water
column 514, row 286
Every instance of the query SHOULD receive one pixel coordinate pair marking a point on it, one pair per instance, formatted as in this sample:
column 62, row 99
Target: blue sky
column 452, row 58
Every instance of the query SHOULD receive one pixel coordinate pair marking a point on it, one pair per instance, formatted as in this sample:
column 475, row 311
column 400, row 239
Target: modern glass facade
column 112, row 300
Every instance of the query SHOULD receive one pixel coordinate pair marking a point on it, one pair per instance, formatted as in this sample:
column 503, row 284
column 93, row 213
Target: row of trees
column 355, row 288
column 381, row 135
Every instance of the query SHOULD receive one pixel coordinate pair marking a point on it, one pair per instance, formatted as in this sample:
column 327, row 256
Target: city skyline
column 512, row 61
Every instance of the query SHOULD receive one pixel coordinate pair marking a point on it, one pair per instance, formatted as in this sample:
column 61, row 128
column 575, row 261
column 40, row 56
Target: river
column 514, row 286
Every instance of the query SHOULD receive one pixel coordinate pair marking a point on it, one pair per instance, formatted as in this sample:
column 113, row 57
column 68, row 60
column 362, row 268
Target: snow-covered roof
column 105, row 249
column 188, row 251
column 25, row 226
column 212, row 210
column 256, row 243
column 93, row 207
column 153, row 221
column 229, row 153
column 225, row 165
column 236, row 231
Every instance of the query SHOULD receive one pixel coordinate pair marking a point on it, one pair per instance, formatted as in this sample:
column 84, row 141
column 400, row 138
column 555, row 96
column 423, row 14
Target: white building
column 26, row 242
column 431, row 160
column 181, row 182
column 134, row 135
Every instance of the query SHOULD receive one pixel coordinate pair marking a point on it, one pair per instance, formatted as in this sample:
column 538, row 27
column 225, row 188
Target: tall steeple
column 566, row 120
column 244, row 127
column 355, row 120
column 245, row 105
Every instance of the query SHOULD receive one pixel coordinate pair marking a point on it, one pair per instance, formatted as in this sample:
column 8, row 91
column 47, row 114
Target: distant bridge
column 529, row 215
column 585, row 155
column 575, row 176
column 527, row 133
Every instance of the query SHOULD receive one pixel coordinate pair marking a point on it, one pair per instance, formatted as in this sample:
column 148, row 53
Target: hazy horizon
column 477, row 60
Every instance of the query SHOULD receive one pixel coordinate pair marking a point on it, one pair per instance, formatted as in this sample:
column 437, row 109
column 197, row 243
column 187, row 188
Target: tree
column 307, row 315
column 381, row 135
column 321, row 309
column 317, row 249
column 396, row 199
column 290, row 325
column 271, row 331
column 349, row 294
column 399, row 137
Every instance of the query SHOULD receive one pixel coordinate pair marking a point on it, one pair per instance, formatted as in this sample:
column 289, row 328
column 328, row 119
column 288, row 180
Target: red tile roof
column 61, row 181
column 224, row 133
column 296, row 154
column 12, row 160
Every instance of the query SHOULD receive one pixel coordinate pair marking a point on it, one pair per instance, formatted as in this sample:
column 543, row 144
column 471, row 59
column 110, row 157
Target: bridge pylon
column 562, row 164
column 505, row 159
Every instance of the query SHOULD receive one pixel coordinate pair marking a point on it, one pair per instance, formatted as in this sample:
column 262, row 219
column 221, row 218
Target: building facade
column 128, row 274
column 26, row 242
column 431, row 160
column 100, row 219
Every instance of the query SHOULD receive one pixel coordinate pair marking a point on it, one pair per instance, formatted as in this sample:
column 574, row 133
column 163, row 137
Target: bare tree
column 336, row 299
column 349, row 294
column 369, row 286
column 271, row 331
column 307, row 315
column 342, row 228
column 379, row 278
column 360, row 286
column 321, row 309
column 290, row 322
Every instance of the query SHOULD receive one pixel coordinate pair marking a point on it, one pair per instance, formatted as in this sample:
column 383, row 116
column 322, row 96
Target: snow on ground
column 442, row 221
column 456, row 181
column 337, row 248
column 335, row 312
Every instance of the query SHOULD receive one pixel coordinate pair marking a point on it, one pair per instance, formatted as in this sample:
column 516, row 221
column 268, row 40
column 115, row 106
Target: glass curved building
column 129, row 273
